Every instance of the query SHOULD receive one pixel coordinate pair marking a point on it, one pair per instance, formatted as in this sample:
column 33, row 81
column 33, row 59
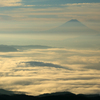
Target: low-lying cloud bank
column 39, row 71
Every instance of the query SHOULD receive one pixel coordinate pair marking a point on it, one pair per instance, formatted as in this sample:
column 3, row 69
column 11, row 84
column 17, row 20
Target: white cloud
column 8, row 3
column 83, row 4
column 29, row 5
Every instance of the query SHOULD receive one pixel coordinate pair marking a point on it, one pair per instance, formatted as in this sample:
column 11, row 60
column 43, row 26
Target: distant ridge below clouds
column 14, row 48
column 2, row 92
column 7, row 92
column 6, row 48
column 72, row 27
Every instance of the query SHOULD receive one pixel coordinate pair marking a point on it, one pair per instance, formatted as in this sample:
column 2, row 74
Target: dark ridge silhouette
column 72, row 27
column 52, row 96
column 2, row 91
column 6, row 48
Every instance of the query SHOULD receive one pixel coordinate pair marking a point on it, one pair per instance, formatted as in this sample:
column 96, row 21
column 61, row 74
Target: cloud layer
column 38, row 71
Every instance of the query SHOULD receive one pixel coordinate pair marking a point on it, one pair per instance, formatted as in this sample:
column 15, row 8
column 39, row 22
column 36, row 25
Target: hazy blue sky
column 19, row 15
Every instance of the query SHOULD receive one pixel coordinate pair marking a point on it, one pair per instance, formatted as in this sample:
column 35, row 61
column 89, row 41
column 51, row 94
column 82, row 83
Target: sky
column 32, row 15
column 34, row 61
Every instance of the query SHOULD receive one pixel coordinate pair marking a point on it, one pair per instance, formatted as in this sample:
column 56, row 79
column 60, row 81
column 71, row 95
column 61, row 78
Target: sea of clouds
column 39, row 71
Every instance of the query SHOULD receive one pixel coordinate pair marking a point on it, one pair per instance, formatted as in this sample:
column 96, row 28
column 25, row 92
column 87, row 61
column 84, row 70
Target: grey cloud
column 30, row 82
column 57, row 2
column 23, row 70
column 93, row 66
column 42, row 64
column 6, row 48
column 25, row 47
column 79, row 78
column 8, row 74
column 7, row 56
column 23, row 83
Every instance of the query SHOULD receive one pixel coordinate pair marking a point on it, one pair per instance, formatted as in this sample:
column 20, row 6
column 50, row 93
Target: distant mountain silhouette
column 72, row 26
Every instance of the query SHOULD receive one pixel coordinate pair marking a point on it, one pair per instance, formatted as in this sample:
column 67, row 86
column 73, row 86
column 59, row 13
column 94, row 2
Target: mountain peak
column 73, row 23
column 72, row 26
column 73, row 20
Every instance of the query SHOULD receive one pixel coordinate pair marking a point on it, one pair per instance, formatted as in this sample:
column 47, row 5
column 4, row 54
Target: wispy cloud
column 63, row 12
column 8, row 3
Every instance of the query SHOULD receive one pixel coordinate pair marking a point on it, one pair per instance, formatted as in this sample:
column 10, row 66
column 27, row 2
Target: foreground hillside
column 53, row 96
